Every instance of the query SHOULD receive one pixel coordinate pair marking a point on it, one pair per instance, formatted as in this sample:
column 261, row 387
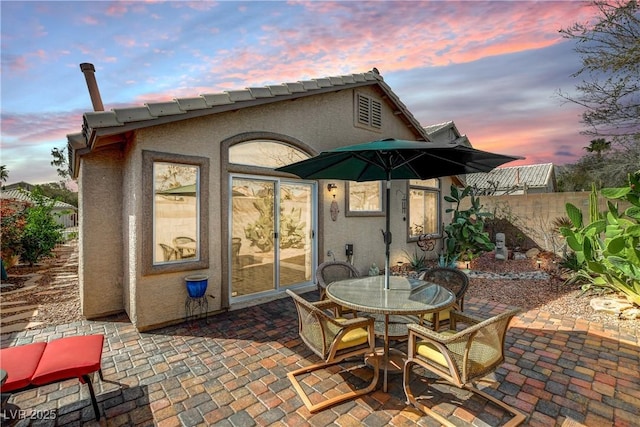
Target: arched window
column 265, row 153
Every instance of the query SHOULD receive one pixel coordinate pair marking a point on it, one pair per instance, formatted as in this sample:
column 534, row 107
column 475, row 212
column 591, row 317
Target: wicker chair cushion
column 442, row 315
column 429, row 351
column 482, row 354
column 353, row 338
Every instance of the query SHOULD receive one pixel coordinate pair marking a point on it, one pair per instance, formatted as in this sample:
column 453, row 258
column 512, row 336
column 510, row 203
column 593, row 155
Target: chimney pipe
column 88, row 70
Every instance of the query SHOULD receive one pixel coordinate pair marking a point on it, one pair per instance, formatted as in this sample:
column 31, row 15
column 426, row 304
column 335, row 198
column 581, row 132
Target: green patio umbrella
column 185, row 190
column 391, row 159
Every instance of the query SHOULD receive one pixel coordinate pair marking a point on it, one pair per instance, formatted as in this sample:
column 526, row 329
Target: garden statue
column 501, row 250
column 374, row 270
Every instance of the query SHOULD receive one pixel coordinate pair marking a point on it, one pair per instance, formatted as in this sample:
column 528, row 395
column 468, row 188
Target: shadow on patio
column 232, row 371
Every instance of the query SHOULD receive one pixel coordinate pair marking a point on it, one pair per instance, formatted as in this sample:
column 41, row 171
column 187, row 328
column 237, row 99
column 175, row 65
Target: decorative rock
column 610, row 305
column 532, row 253
column 525, row 275
column 630, row 314
column 519, row 255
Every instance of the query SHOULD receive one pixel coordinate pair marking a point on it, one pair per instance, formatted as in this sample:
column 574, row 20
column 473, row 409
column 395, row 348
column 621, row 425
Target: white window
column 424, row 208
column 174, row 202
column 364, row 198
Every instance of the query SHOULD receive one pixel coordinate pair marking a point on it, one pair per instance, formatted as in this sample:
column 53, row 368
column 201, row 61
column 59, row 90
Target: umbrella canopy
column 391, row 159
column 185, row 190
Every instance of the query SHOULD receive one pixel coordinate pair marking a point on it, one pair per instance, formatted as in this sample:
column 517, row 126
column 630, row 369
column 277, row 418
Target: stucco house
column 188, row 186
column 446, row 132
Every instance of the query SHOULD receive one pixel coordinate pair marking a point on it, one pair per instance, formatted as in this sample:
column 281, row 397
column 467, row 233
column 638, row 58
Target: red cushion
column 69, row 358
column 20, row 363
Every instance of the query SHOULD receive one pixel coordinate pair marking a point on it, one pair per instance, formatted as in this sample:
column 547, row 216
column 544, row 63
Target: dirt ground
column 52, row 287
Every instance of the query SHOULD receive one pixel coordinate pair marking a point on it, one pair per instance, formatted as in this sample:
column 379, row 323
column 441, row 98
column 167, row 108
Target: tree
column 12, row 223
column 41, row 232
column 598, row 145
column 61, row 162
column 59, row 191
column 4, row 173
column 610, row 51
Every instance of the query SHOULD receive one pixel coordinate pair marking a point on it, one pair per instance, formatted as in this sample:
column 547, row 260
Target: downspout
column 89, row 74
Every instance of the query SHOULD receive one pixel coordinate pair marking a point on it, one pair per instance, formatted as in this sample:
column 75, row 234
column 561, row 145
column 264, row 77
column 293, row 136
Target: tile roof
column 435, row 128
column 121, row 120
column 25, row 196
column 533, row 176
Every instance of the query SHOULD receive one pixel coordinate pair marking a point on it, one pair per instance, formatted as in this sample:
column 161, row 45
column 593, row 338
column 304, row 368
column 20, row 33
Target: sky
column 494, row 67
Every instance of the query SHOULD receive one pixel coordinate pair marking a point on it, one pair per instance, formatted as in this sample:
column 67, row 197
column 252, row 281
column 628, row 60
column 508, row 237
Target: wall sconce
column 332, row 188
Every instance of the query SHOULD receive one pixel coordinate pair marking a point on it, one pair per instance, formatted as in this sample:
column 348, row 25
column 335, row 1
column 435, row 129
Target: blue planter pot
column 196, row 285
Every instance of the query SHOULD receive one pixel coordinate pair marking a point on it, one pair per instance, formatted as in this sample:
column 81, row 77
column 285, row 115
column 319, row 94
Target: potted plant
column 465, row 236
column 196, row 285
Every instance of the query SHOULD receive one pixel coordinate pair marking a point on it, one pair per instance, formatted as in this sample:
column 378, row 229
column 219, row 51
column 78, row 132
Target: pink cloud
column 116, row 9
column 539, row 139
column 89, row 20
column 402, row 38
column 36, row 128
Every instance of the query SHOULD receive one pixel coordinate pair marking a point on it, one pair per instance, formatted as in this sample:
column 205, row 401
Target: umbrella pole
column 387, row 235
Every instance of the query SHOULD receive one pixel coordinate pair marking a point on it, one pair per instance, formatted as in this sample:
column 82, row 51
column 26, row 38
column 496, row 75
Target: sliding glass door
column 272, row 223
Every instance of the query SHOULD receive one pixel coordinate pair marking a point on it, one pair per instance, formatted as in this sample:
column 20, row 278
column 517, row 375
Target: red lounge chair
column 34, row 365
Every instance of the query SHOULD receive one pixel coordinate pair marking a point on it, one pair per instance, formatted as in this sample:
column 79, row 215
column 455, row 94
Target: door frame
column 277, row 290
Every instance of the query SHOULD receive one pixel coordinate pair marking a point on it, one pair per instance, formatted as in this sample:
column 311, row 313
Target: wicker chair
column 460, row 357
column 454, row 280
column 333, row 340
column 332, row 271
column 185, row 252
column 168, row 252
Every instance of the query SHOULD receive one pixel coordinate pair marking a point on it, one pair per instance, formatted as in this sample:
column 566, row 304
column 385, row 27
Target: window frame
column 438, row 192
column 382, row 195
column 149, row 158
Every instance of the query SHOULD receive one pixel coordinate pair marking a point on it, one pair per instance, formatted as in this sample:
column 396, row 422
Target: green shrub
column 465, row 236
column 607, row 249
column 41, row 232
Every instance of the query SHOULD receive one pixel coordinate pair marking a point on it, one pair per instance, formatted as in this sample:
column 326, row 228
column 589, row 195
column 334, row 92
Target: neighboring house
column 188, row 186
column 529, row 179
column 446, row 132
column 17, row 185
column 64, row 213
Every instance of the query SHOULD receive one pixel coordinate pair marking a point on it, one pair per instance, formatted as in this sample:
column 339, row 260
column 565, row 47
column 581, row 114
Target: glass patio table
column 404, row 296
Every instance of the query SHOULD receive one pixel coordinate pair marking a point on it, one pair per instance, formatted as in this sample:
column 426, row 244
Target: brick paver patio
column 232, row 371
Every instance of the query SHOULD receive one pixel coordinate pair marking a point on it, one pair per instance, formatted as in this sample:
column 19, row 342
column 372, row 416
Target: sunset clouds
column 492, row 67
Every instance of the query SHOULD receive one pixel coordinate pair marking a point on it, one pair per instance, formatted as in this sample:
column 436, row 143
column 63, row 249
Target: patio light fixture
column 332, row 188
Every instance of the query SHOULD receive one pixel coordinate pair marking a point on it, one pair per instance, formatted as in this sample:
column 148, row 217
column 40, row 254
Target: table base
column 395, row 364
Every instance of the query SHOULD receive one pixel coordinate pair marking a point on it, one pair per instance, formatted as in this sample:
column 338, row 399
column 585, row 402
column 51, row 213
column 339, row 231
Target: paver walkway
column 63, row 274
column 232, row 371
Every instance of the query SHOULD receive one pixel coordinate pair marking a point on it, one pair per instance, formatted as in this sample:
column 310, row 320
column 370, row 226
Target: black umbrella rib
column 407, row 161
column 370, row 162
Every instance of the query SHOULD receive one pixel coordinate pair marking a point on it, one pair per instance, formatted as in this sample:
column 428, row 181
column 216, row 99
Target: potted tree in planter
column 465, row 236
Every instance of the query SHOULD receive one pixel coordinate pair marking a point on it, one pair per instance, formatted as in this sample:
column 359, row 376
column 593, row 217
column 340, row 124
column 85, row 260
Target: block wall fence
column 534, row 213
